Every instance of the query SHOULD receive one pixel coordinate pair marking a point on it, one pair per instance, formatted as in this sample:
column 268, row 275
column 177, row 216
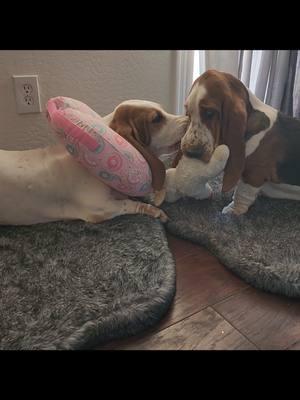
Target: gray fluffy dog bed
column 76, row 285
column 262, row 247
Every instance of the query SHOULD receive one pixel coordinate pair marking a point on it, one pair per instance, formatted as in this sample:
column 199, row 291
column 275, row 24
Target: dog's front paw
column 232, row 210
column 228, row 209
column 160, row 214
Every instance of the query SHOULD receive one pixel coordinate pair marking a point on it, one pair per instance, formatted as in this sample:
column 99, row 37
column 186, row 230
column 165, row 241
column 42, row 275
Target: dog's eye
column 208, row 113
column 158, row 118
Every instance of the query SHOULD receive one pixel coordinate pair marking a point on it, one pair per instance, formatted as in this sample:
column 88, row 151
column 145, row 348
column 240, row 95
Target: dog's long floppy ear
column 233, row 129
column 177, row 159
column 139, row 137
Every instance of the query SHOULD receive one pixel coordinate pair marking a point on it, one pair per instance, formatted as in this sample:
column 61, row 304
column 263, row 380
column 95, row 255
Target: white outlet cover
column 27, row 94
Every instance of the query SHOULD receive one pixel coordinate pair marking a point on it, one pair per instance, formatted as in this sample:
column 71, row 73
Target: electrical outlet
column 27, row 94
column 29, row 100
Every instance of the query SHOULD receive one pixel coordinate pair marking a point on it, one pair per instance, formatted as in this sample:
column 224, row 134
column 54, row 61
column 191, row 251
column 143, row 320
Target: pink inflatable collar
column 105, row 153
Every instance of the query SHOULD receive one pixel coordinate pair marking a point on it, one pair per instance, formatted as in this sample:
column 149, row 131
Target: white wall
column 101, row 79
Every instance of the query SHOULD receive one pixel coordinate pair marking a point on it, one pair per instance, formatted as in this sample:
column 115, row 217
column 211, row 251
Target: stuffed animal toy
column 190, row 177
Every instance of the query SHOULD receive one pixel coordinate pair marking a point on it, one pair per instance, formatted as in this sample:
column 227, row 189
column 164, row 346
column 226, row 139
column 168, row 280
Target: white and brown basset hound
column 264, row 144
column 48, row 184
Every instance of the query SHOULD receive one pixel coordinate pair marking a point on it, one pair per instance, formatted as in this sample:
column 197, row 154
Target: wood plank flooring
column 215, row 310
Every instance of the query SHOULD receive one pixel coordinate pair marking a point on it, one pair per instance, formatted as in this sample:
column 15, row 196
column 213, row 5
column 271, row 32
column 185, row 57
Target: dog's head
column 150, row 125
column 217, row 107
column 153, row 131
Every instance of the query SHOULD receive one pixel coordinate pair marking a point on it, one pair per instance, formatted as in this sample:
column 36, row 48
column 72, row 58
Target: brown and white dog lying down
column 48, row 184
column 264, row 144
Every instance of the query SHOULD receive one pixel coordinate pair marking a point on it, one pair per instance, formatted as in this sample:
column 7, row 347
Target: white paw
column 228, row 209
column 231, row 210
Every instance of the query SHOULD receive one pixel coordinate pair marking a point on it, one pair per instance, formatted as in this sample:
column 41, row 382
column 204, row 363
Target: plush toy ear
column 233, row 129
column 137, row 139
column 217, row 162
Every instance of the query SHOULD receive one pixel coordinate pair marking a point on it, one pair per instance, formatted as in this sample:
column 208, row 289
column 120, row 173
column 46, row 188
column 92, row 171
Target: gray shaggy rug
column 262, row 247
column 76, row 285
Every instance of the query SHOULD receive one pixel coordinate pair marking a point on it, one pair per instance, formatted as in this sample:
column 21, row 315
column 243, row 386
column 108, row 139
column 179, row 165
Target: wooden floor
column 215, row 310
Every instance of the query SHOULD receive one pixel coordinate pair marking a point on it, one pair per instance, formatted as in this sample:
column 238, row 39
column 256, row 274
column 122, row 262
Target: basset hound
column 264, row 144
column 48, row 184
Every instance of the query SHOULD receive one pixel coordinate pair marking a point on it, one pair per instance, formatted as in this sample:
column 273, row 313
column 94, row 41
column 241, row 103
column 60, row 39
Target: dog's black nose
column 195, row 152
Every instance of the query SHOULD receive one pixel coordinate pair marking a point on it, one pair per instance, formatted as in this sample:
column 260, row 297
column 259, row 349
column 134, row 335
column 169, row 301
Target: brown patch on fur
column 257, row 122
column 261, row 165
column 135, row 125
column 233, row 130
column 177, row 159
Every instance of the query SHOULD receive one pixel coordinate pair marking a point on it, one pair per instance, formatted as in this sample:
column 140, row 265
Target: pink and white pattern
column 105, row 153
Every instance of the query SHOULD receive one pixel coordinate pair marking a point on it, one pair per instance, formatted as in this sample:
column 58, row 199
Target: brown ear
column 138, row 139
column 177, row 159
column 140, row 130
column 234, row 124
